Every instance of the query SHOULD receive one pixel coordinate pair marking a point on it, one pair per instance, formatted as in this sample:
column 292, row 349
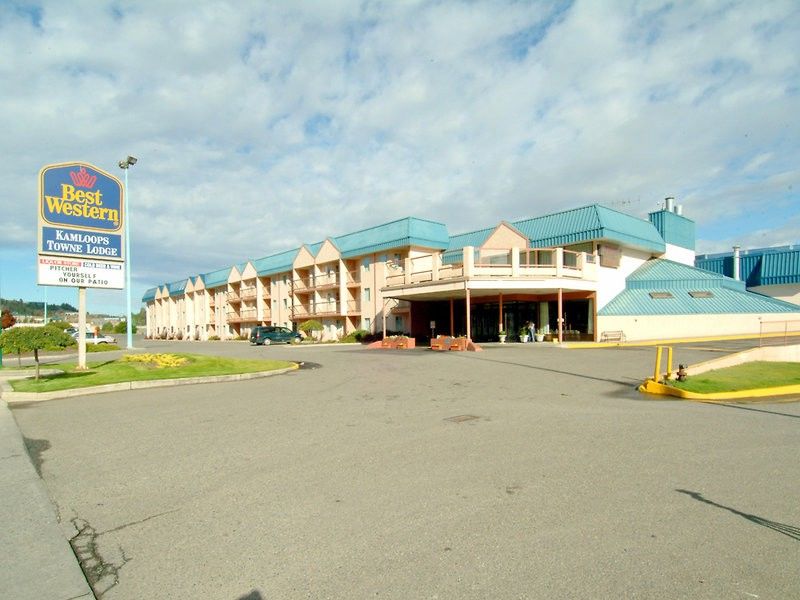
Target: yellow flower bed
column 159, row 361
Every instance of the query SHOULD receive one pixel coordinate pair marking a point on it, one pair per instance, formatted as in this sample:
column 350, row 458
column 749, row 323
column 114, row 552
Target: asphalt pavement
column 524, row 471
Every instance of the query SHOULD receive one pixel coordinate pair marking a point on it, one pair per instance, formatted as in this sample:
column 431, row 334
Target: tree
column 7, row 319
column 122, row 327
column 33, row 339
column 62, row 325
column 310, row 326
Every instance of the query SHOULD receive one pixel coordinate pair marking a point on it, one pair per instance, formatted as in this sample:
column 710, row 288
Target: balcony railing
column 232, row 297
column 248, row 314
column 540, row 263
column 325, row 309
column 247, row 293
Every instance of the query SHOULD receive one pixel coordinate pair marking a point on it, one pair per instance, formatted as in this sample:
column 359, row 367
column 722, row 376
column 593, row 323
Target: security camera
column 132, row 160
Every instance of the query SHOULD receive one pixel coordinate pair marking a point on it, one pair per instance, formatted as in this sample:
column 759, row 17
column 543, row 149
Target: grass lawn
column 118, row 371
column 743, row 377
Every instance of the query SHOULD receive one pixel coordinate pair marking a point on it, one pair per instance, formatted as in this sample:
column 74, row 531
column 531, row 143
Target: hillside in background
column 57, row 312
column 36, row 309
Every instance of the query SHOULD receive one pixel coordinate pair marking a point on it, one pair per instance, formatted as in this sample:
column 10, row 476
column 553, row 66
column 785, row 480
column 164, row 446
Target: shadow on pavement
column 787, row 530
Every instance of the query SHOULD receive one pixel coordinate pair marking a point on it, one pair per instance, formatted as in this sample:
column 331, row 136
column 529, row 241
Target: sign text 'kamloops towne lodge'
column 81, row 212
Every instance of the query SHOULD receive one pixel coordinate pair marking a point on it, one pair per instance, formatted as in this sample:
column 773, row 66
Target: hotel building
column 590, row 273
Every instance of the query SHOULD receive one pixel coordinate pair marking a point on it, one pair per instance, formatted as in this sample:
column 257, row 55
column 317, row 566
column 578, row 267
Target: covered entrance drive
column 477, row 301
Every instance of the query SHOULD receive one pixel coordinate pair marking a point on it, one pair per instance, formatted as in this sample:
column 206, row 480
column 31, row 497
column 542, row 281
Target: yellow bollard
column 659, row 350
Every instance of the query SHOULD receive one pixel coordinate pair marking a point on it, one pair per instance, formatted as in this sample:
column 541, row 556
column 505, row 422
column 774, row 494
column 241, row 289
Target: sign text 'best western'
column 81, row 212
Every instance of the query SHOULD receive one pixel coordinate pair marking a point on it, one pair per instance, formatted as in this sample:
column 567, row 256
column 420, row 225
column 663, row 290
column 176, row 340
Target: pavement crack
column 138, row 522
column 101, row 574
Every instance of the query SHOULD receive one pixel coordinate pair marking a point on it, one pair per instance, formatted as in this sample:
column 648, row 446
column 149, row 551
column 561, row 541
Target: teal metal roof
column 593, row 222
column 177, row 288
column 396, row 234
column 454, row 253
column 673, row 228
column 760, row 266
column 276, row 263
column 726, row 296
column 216, row 278
column 314, row 248
column 149, row 295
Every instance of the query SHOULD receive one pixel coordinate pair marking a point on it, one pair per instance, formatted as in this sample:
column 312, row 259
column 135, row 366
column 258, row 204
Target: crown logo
column 82, row 179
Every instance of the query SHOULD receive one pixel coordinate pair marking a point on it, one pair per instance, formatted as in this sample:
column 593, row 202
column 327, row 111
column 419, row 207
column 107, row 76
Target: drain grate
column 461, row 418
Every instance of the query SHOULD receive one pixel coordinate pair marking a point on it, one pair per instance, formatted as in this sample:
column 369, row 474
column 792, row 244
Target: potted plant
column 540, row 334
column 502, row 335
column 523, row 334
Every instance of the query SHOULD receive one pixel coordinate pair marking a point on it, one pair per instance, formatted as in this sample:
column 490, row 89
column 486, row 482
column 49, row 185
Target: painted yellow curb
column 652, row 387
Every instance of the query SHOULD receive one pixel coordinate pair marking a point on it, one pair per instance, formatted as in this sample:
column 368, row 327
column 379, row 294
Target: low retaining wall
column 767, row 353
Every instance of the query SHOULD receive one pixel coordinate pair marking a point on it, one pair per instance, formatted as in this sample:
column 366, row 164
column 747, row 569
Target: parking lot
column 524, row 471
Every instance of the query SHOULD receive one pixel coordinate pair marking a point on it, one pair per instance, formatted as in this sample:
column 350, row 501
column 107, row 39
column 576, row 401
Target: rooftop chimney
column 669, row 203
column 736, row 263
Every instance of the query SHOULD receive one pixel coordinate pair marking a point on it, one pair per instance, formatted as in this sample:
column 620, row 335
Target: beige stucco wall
column 611, row 281
column 679, row 255
column 786, row 292
column 654, row 327
column 506, row 237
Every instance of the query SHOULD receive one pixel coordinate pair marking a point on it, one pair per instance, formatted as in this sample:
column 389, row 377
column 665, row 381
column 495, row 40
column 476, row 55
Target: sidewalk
column 39, row 562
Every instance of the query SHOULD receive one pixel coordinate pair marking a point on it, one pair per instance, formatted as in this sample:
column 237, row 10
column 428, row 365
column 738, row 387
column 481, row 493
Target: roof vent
column 669, row 203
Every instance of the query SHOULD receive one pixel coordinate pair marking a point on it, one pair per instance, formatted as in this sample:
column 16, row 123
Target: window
column 660, row 295
column 367, row 295
column 367, row 323
column 398, row 324
column 285, row 303
column 365, row 263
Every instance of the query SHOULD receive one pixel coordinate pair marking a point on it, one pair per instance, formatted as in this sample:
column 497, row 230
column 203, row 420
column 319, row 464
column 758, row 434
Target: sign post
column 81, row 231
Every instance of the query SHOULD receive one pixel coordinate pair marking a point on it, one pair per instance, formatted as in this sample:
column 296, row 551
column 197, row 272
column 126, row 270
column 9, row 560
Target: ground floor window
column 577, row 313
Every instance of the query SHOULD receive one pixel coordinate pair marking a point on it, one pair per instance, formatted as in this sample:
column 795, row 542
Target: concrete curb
column 39, row 560
column 652, row 387
column 9, row 395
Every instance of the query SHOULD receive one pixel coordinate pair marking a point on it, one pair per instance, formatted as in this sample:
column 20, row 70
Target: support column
column 81, row 329
column 452, row 320
column 560, row 315
column 469, row 324
column 500, row 316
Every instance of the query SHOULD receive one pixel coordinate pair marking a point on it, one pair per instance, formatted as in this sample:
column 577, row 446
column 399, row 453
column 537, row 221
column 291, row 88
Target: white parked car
column 92, row 338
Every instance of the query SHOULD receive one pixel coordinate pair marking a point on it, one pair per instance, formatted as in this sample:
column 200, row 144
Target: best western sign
column 81, row 211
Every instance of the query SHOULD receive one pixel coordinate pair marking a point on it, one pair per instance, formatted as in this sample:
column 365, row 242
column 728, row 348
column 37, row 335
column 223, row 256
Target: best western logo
column 80, row 203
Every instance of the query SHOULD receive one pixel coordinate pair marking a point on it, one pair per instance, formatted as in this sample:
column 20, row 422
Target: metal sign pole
column 81, row 328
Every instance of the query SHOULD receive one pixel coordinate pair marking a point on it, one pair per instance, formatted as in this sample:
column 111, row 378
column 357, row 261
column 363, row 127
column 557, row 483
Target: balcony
column 233, row 297
column 248, row 292
column 353, row 278
column 248, row 314
column 545, row 264
column 325, row 309
column 233, row 317
column 326, row 281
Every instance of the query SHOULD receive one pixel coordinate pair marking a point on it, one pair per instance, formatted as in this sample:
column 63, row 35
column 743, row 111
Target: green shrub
column 101, row 347
column 62, row 325
column 355, row 336
column 122, row 327
column 107, row 327
column 213, row 338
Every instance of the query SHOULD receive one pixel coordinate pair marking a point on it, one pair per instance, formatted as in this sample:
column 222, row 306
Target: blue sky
column 261, row 126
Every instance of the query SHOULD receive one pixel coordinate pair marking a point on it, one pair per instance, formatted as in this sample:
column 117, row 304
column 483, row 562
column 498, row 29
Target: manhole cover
column 461, row 418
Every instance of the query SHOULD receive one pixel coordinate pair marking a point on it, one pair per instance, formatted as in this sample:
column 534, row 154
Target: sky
column 259, row 126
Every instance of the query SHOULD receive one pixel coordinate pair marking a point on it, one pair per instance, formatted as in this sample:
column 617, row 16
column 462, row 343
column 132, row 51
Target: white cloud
column 261, row 126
